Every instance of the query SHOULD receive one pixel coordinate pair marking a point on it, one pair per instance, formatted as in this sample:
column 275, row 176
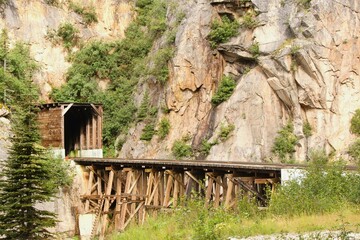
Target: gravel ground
column 326, row 235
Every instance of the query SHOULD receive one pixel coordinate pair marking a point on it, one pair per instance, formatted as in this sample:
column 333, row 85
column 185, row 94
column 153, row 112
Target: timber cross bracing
column 129, row 190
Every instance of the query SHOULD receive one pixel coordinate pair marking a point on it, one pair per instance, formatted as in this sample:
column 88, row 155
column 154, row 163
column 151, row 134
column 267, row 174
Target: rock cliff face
column 306, row 72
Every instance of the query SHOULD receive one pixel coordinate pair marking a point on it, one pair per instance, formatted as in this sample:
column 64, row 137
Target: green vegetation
column 249, row 20
column 206, row 146
column 325, row 199
column 87, row 13
column 225, row 131
column 148, row 132
column 354, row 151
column 222, row 31
column 160, row 68
column 66, row 33
column 16, row 73
column 294, row 49
column 225, row 90
column 307, row 129
column 164, row 128
column 284, row 144
column 325, row 188
column 181, row 149
column 254, row 49
column 355, row 123
column 122, row 64
column 50, row 2
column 305, row 3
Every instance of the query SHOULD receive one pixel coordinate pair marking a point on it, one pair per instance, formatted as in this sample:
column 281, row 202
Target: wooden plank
column 93, row 133
column 87, row 133
column 65, row 110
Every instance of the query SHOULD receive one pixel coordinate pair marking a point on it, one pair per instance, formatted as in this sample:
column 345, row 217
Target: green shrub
column 87, row 13
column 284, row 144
column 222, row 31
column 355, row 123
column 249, row 20
column 254, row 49
column 225, row 90
column 225, row 131
column 354, row 151
column 164, row 128
column 307, row 129
column 68, row 35
column 161, row 59
column 144, row 107
column 206, row 146
column 305, row 3
column 49, row 2
column 181, row 149
column 148, row 132
column 324, row 188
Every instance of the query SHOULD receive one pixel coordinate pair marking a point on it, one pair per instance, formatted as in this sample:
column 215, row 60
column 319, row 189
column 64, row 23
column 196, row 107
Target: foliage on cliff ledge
column 121, row 64
column 222, row 31
column 225, row 90
column 284, row 143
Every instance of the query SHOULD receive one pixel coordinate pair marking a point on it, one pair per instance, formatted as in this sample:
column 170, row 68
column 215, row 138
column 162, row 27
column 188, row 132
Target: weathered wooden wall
column 51, row 127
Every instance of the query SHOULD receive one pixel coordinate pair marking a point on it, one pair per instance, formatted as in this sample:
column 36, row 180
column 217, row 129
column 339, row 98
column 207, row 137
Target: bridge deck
column 191, row 164
column 188, row 165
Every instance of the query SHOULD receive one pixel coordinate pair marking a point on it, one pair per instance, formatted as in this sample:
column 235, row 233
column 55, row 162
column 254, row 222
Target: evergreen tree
column 26, row 181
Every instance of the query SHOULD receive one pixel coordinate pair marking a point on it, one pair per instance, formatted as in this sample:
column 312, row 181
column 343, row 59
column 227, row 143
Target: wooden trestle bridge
column 129, row 190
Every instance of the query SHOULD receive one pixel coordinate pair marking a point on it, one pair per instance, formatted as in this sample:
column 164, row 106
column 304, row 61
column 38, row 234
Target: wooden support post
column 168, row 189
column 107, row 201
column 133, row 190
column 217, row 191
column 89, row 187
column 124, row 207
column 209, row 191
column 176, row 190
column 142, row 190
column 99, row 183
column 118, row 201
column 229, row 192
column 161, row 187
